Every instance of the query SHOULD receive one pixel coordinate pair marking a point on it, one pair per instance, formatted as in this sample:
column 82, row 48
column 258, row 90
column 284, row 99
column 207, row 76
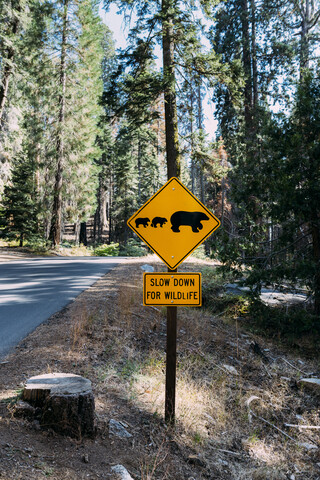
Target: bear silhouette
column 192, row 219
column 158, row 220
column 142, row 221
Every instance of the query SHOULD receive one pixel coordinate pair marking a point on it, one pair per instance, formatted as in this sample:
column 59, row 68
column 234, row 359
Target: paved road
column 32, row 290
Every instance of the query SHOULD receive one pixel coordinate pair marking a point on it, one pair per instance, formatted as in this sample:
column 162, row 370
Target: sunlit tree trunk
column 315, row 231
column 171, row 119
column 8, row 59
column 246, row 58
column 55, row 233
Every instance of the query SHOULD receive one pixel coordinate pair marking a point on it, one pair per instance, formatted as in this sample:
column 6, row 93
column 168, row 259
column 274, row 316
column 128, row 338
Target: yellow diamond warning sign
column 173, row 222
column 170, row 289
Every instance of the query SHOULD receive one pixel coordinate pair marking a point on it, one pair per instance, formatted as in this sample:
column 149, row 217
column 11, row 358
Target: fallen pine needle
column 153, row 308
column 296, row 368
column 227, row 451
column 314, row 427
column 271, row 425
column 251, row 399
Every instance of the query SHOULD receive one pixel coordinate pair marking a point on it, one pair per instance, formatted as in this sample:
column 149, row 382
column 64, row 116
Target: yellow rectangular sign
column 171, row 289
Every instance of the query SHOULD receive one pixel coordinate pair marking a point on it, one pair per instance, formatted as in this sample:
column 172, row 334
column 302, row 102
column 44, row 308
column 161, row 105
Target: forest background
column 88, row 133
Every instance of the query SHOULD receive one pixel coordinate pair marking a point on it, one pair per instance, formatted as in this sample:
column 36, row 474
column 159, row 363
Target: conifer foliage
column 88, row 134
column 20, row 205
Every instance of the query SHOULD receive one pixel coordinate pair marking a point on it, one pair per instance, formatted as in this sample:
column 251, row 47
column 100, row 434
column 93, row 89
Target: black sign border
column 193, row 248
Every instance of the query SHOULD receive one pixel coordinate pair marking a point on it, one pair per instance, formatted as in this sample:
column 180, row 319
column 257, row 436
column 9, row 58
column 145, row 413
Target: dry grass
column 120, row 345
column 211, row 407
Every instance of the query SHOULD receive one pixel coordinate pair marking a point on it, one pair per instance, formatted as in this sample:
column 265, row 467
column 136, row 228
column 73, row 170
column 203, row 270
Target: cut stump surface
column 66, row 402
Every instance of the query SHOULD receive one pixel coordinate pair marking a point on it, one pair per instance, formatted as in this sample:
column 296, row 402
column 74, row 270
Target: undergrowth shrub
column 291, row 323
column 133, row 248
column 200, row 253
column 37, row 244
column 111, row 250
column 278, row 321
column 215, row 296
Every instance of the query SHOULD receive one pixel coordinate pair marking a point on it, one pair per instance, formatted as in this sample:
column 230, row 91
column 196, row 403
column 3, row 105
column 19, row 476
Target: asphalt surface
column 32, row 290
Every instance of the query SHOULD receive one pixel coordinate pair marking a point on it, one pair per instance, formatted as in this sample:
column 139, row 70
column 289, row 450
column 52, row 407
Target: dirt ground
column 235, row 393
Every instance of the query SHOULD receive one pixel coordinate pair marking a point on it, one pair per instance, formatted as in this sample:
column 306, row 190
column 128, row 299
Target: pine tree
column 38, row 89
column 106, row 141
column 277, row 237
column 13, row 17
column 295, row 191
column 170, row 22
column 79, row 71
column 81, row 169
column 136, row 175
column 20, row 208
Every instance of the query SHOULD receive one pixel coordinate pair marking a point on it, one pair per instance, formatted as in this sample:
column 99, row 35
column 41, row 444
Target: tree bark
column 139, row 170
column 5, row 86
column 193, row 166
column 77, row 232
column 246, row 58
column 55, row 234
column 110, row 212
column 103, row 211
column 200, row 125
column 83, row 234
column 173, row 170
column 304, row 40
column 66, row 402
column 315, row 231
column 254, row 57
column 170, row 101
column 7, row 62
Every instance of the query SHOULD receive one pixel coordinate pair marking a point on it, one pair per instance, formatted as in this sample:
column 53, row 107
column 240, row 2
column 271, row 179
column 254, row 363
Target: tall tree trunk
column 222, row 161
column 4, row 87
column 246, row 58
column 304, row 40
column 173, row 168
column 170, row 101
column 55, row 234
column 97, row 215
column 139, row 170
column 254, row 57
column 110, row 211
column 96, row 220
column 83, row 234
column 77, row 232
column 191, row 109
column 315, row 231
column 103, row 212
column 9, row 59
column 200, row 124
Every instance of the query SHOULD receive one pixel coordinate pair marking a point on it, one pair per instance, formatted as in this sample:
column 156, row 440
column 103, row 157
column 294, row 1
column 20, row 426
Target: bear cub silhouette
column 142, row 221
column 192, row 219
column 158, row 220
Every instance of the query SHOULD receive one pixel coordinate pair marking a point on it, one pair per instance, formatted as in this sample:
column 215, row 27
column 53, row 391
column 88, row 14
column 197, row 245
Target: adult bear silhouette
column 192, row 219
column 142, row 221
column 158, row 220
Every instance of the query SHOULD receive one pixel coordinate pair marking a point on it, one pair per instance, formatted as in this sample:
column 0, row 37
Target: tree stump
column 66, row 402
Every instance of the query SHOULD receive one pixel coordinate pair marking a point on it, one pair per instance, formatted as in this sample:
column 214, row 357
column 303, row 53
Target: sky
column 120, row 32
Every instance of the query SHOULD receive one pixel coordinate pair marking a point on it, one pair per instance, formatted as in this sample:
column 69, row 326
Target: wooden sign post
column 171, row 366
column 173, row 223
